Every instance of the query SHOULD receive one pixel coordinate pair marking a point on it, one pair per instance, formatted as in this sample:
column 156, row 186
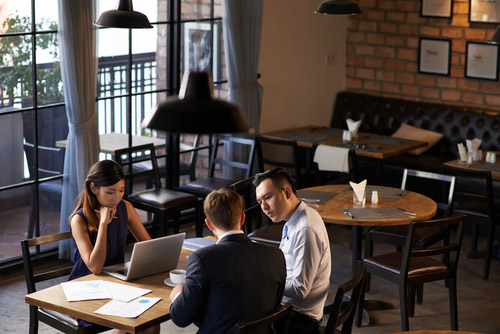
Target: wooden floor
column 478, row 300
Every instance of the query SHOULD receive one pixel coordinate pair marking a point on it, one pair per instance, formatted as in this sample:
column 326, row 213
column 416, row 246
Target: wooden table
column 53, row 298
column 366, row 144
column 110, row 142
column 331, row 211
column 482, row 166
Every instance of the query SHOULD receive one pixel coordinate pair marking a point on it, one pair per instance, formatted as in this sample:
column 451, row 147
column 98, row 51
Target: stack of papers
column 127, row 301
column 197, row 243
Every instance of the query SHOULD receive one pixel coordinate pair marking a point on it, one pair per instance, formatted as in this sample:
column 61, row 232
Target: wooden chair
column 163, row 203
column 337, row 176
column 59, row 321
column 476, row 199
column 185, row 167
column 282, row 315
column 275, row 152
column 396, row 235
column 203, row 186
column 416, row 266
column 257, row 225
column 343, row 309
column 50, row 169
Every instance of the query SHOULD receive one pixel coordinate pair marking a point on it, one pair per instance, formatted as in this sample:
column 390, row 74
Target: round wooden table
column 331, row 211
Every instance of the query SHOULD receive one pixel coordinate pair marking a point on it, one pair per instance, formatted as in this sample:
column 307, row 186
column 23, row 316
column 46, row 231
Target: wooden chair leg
column 489, row 251
column 199, row 219
column 474, row 237
column 177, row 221
column 403, row 300
column 33, row 320
column 452, row 288
column 420, row 293
column 361, row 302
column 411, row 301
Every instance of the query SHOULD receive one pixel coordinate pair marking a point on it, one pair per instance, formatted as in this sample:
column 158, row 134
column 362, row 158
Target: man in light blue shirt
column 305, row 245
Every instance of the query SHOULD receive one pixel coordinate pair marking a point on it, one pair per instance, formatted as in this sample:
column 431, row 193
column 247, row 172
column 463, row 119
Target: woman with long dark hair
column 100, row 224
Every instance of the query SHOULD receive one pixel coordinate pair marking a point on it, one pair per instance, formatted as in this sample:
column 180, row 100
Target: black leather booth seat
column 384, row 115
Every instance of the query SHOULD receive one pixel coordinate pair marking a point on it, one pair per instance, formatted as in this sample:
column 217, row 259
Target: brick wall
column 383, row 46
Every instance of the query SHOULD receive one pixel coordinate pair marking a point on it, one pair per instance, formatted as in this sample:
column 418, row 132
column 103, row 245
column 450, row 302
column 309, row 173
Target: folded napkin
column 462, row 152
column 353, row 126
column 473, row 145
column 332, row 158
column 359, row 189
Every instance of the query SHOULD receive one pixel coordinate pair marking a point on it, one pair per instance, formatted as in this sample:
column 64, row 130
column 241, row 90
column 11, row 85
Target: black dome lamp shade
column 123, row 17
column 338, row 7
column 495, row 39
column 195, row 111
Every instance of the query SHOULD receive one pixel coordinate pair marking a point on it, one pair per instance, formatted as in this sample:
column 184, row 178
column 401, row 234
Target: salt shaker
column 488, row 157
column 493, row 158
column 374, row 197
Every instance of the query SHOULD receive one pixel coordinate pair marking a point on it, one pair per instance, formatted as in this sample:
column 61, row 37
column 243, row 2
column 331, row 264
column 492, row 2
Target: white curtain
column 242, row 30
column 77, row 47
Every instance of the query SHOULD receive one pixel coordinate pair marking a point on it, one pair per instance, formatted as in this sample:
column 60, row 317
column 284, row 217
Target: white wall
column 299, row 88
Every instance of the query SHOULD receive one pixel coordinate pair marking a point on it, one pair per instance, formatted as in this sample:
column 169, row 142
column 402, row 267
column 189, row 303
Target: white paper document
column 124, row 292
column 131, row 309
column 85, row 290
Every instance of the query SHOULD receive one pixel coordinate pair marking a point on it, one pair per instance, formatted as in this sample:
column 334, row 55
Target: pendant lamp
column 123, row 17
column 196, row 111
column 338, row 7
column 495, row 39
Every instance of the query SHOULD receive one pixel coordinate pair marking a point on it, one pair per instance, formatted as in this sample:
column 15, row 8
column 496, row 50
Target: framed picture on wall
column 434, row 56
column 436, row 8
column 484, row 11
column 200, row 51
column 481, row 61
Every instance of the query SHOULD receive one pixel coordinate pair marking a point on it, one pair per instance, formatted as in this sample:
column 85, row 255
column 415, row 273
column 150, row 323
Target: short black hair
column 278, row 176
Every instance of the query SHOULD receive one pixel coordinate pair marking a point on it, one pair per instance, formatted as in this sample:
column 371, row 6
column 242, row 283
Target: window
column 136, row 69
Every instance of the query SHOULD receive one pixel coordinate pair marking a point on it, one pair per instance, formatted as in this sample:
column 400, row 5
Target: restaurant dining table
column 478, row 165
column 110, row 142
column 53, row 298
column 335, row 205
column 367, row 145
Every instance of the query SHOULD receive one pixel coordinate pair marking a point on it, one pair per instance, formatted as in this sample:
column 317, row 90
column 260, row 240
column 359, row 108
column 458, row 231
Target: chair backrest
column 192, row 150
column 482, row 190
column 246, row 165
column 279, row 152
column 338, row 177
column 447, row 181
column 282, row 315
column 50, row 160
column 31, row 277
column 449, row 249
column 254, row 217
column 342, row 312
column 131, row 160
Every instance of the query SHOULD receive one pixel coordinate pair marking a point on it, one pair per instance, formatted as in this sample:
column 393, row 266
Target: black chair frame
column 283, row 315
column 61, row 322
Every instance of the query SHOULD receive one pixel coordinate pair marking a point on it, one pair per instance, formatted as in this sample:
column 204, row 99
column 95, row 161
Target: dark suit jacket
column 236, row 280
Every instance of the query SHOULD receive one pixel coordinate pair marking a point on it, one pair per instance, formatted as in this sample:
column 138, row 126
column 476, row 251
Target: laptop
column 149, row 257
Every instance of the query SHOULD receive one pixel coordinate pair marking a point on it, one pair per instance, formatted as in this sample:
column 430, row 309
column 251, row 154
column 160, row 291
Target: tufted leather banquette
column 384, row 115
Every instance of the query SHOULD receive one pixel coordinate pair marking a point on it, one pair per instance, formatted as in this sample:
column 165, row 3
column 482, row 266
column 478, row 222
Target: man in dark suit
column 235, row 280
